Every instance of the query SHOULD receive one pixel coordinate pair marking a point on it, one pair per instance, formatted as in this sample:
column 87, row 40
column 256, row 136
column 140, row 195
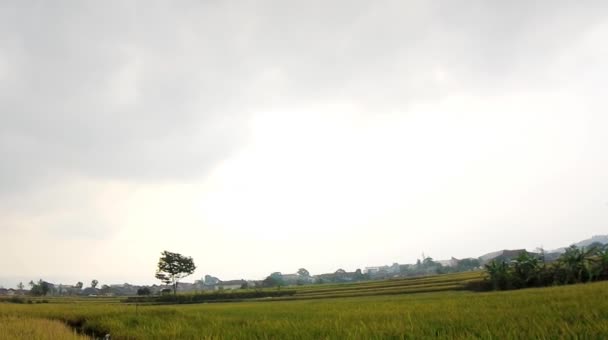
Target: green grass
column 577, row 311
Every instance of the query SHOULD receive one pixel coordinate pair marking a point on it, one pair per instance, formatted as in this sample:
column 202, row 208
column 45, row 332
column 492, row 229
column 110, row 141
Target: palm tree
column 499, row 273
column 599, row 265
column 577, row 262
column 526, row 268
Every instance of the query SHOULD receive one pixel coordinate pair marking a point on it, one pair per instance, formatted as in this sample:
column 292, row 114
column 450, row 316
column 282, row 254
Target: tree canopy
column 172, row 267
column 303, row 272
column 39, row 288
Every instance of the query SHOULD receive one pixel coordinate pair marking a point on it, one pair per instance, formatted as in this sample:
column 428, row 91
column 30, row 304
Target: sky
column 263, row 136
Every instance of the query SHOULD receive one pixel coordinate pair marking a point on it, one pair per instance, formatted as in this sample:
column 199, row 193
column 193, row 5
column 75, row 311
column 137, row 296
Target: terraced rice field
column 449, row 282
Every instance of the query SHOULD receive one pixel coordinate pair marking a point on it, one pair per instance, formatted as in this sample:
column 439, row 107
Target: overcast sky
column 268, row 136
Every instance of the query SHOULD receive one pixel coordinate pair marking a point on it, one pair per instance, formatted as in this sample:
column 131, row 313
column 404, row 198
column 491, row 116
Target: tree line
column 42, row 288
column 575, row 265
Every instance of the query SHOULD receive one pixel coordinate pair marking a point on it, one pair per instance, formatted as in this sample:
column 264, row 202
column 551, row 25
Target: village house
column 392, row 269
column 7, row 292
column 453, row 262
column 230, row 285
column 501, row 255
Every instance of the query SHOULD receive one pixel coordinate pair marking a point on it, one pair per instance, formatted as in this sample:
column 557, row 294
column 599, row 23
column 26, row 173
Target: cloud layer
column 122, row 120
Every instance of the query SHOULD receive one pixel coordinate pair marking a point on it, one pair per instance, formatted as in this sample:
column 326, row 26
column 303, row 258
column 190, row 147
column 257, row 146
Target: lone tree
column 172, row 267
column 94, row 283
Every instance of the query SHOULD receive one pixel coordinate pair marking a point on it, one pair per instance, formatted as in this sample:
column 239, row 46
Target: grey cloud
column 145, row 90
column 105, row 92
column 384, row 55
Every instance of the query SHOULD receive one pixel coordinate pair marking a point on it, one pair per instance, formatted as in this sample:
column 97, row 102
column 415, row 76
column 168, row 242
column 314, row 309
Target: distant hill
column 550, row 255
column 603, row 239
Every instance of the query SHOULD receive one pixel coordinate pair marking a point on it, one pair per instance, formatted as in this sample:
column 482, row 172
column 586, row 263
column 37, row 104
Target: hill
column 603, row 239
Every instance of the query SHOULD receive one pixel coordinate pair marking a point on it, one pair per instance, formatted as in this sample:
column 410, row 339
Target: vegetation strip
column 573, row 311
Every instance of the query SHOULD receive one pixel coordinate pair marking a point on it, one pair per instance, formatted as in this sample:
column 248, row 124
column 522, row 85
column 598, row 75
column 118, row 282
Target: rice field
column 18, row 328
column 436, row 283
column 576, row 311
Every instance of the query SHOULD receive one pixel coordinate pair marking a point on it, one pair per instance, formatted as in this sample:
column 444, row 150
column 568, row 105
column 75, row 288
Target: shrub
column 15, row 299
column 144, row 291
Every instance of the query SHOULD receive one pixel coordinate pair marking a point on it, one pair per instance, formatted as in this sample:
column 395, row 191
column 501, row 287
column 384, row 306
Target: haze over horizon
column 269, row 136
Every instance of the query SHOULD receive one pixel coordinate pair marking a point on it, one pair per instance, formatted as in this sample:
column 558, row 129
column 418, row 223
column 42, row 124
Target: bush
column 478, row 285
column 14, row 299
column 144, row 291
